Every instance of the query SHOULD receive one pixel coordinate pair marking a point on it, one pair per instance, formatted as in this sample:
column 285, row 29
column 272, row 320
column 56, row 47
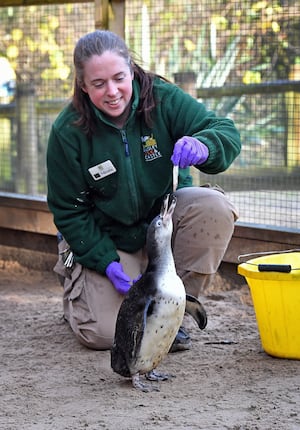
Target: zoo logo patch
column 150, row 149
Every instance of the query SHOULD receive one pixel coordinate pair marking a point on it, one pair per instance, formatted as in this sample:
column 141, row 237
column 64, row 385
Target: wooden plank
column 249, row 239
column 23, row 201
column 25, row 213
column 30, row 220
column 26, row 221
column 30, row 241
column 260, row 232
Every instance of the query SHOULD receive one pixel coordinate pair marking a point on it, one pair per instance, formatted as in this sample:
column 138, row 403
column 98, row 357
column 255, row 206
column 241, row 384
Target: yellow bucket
column 274, row 282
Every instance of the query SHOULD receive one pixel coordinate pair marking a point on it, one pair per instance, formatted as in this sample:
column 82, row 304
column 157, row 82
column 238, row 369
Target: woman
column 110, row 159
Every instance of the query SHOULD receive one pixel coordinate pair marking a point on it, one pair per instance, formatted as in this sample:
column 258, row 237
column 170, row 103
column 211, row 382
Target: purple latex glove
column 189, row 151
column 120, row 280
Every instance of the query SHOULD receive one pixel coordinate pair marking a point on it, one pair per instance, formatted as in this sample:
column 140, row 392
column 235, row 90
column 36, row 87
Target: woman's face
column 108, row 82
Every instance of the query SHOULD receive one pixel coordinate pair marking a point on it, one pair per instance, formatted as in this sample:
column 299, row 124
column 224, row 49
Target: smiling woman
column 108, row 83
column 104, row 73
column 110, row 162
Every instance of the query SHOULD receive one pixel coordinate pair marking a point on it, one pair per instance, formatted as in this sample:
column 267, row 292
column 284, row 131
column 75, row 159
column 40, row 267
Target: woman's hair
column 96, row 43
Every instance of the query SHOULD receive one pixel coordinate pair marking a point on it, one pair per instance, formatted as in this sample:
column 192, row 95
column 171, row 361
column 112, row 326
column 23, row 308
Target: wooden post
column 27, row 145
column 101, row 14
column 110, row 15
column 117, row 17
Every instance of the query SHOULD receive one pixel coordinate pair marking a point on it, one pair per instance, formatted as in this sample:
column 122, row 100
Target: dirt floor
column 49, row 381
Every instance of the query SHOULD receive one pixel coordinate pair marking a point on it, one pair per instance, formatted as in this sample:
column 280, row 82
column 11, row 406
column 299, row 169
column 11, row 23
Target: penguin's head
column 167, row 209
column 161, row 228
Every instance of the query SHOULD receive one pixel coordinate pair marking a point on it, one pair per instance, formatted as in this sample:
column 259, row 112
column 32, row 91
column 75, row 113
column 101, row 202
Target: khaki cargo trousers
column 203, row 226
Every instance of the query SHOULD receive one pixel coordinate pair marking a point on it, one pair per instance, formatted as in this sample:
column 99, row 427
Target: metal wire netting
column 241, row 58
column 230, row 45
column 36, row 81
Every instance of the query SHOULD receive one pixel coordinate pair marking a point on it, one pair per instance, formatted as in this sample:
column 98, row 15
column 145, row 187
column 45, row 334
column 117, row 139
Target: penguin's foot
column 158, row 376
column 139, row 385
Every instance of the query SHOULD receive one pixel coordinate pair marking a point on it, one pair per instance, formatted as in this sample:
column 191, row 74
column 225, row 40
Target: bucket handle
column 284, row 268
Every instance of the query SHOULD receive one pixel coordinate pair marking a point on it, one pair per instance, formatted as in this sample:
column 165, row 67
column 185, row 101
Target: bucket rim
column 249, row 268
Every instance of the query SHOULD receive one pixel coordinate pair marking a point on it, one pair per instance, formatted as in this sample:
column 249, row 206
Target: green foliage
column 38, row 42
column 195, row 35
column 184, row 36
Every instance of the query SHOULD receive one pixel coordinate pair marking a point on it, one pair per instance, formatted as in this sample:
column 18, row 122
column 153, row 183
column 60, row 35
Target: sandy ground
column 49, row 381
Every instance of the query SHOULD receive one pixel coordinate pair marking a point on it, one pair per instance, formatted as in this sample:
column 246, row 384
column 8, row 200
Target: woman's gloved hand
column 120, row 280
column 189, row 151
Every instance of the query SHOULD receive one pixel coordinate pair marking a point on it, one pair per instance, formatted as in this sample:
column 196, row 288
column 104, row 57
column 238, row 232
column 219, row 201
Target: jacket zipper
column 130, row 178
column 125, row 141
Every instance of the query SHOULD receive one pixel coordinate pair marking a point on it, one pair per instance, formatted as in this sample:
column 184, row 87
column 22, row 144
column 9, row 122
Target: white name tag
column 102, row 170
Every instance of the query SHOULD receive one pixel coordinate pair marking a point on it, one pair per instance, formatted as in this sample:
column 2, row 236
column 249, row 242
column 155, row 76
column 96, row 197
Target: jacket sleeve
column 191, row 118
column 68, row 200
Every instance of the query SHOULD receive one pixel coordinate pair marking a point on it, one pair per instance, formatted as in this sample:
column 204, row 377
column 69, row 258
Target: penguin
column 152, row 311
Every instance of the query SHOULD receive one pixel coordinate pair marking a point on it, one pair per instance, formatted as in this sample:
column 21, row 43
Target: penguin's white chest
column 162, row 325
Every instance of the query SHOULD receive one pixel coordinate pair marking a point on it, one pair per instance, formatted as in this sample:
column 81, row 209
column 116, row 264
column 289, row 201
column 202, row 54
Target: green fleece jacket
column 104, row 191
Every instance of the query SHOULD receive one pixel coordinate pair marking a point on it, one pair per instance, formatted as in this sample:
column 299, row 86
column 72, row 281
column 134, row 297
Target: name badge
column 102, row 170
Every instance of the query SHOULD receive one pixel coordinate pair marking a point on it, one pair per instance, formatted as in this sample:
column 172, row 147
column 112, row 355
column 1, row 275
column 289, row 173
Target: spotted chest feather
column 160, row 329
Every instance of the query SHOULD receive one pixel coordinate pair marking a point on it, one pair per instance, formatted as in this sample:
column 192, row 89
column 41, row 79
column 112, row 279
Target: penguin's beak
column 168, row 207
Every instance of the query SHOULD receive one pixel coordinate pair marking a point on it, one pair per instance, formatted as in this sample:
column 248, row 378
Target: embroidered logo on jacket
column 150, row 149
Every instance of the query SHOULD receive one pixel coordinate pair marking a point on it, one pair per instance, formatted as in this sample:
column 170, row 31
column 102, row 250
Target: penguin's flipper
column 196, row 310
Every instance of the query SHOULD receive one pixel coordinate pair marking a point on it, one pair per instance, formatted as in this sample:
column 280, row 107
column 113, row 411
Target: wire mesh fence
column 241, row 58
column 36, row 81
column 264, row 181
column 233, row 44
